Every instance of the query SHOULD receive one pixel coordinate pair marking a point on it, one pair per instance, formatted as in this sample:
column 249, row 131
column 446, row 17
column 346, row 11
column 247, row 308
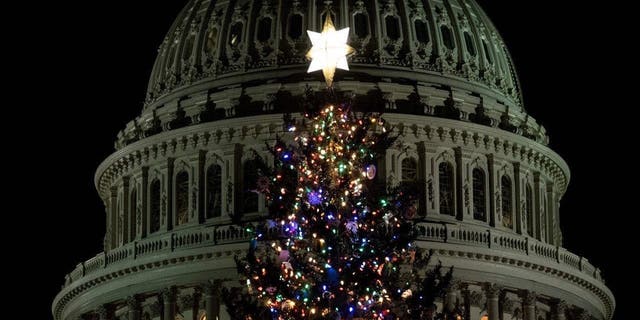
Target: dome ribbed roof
column 215, row 44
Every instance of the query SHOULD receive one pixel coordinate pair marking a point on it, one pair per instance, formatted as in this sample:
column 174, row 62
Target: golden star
column 329, row 50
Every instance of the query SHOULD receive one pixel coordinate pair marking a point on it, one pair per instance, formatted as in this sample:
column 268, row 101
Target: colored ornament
column 371, row 171
column 283, row 256
column 352, row 226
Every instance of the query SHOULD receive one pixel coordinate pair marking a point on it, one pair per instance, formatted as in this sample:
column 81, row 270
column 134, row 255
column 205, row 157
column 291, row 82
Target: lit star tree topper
column 329, row 50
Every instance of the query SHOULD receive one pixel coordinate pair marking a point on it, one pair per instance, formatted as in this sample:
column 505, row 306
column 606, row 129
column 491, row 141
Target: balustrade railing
column 470, row 235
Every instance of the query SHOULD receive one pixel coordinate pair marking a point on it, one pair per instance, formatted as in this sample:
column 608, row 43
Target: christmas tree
column 337, row 243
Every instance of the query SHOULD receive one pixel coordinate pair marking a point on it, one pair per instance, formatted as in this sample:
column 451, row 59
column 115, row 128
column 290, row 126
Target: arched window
column 422, row 31
column 361, row 24
column 235, row 35
column 264, row 29
column 409, row 170
column 133, row 214
column 392, row 24
column 529, row 209
column 471, row 47
column 479, row 195
column 295, row 26
column 446, row 184
column 182, row 197
column 249, row 182
column 211, row 44
column 447, row 37
column 214, row 191
column 171, row 58
column 154, row 206
column 487, row 53
column 506, row 202
column 188, row 47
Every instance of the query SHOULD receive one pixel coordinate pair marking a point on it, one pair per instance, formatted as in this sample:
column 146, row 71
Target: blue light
column 314, row 198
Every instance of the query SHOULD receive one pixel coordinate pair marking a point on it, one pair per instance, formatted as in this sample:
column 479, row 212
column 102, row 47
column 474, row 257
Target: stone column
column 170, row 218
column 459, row 187
column 551, row 209
column 212, row 292
column 112, row 227
column 195, row 307
column 144, row 217
column 559, row 309
column 126, row 215
column 537, row 207
column 477, row 304
column 465, row 294
column 169, row 301
column 134, row 308
column 529, row 299
column 451, row 296
column 517, row 207
column 202, row 177
column 492, row 191
column 492, row 291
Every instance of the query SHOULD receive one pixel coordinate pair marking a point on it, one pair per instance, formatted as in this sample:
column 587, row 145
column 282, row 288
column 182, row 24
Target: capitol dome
column 416, row 54
column 226, row 72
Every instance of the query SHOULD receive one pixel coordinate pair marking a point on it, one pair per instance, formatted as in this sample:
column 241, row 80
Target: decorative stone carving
column 508, row 305
column 168, row 295
column 492, row 290
column 213, row 288
column 477, row 299
column 133, row 303
column 186, row 302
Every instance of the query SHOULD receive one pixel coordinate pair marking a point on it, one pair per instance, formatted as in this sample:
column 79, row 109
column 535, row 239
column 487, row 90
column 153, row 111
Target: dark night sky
column 100, row 61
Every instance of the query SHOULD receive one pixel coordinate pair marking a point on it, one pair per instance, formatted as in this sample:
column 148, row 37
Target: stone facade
column 175, row 191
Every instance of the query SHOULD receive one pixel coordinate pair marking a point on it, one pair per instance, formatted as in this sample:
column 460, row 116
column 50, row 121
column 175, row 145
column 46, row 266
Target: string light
column 334, row 243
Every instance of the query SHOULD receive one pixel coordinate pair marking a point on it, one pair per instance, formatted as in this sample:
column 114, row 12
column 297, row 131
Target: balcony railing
column 470, row 235
column 461, row 234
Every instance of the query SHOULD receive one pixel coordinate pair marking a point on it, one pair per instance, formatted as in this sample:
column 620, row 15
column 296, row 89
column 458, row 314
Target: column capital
column 213, row 288
column 492, row 290
column 168, row 294
column 529, row 297
column 477, row 299
column 186, row 302
column 455, row 285
column 197, row 292
column 133, row 302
